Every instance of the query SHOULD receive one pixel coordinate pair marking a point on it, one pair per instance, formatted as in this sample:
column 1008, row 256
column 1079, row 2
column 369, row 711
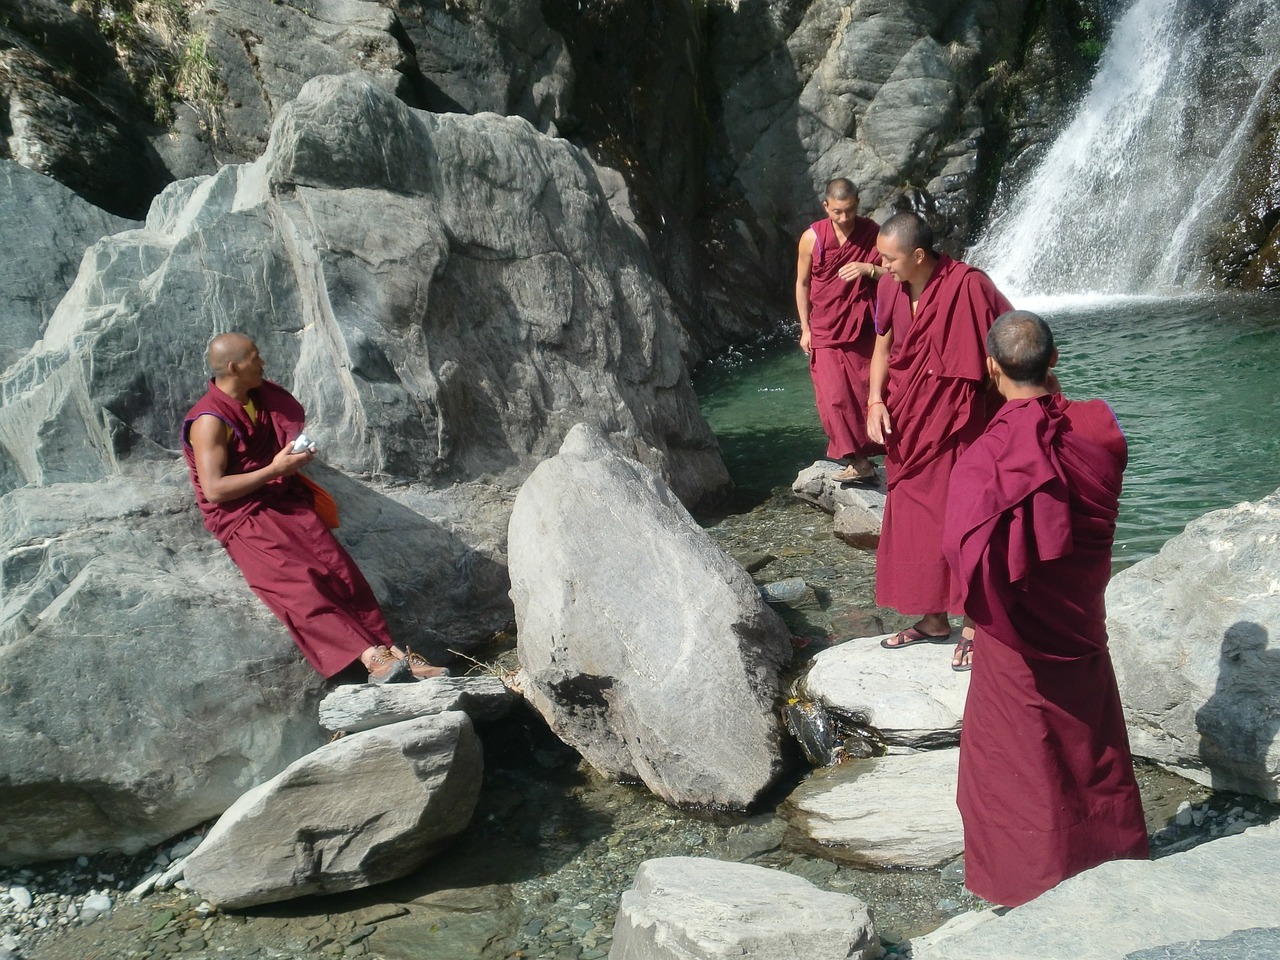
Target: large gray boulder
column 684, row 907
column 1196, row 658
column 908, row 698
column 1120, row 908
column 367, row 808
column 642, row 643
column 144, row 687
column 892, row 811
column 44, row 231
column 445, row 295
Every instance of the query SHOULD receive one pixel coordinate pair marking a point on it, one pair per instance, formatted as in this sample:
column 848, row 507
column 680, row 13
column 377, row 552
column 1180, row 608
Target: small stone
column 95, row 905
column 953, row 872
column 161, row 920
column 21, row 897
column 82, row 861
column 947, row 905
column 1197, row 817
column 1184, row 816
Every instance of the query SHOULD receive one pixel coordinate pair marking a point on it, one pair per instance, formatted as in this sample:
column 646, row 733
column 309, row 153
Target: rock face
column 909, row 698
column 682, row 907
column 1120, row 908
column 641, row 642
column 445, row 295
column 1197, row 665
column 370, row 807
column 894, row 811
column 44, row 231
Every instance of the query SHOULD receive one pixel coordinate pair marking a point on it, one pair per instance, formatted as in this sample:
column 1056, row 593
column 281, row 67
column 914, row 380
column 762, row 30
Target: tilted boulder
column 642, row 643
column 367, row 808
column 1196, row 655
column 445, row 295
column 683, row 907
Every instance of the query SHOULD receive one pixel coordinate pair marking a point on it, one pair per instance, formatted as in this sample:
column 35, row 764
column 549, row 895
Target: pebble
column 95, row 905
column 1184, row 816
column 21, row 898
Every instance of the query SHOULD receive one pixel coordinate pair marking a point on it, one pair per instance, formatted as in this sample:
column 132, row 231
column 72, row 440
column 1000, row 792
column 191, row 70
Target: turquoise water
column 1195, row 383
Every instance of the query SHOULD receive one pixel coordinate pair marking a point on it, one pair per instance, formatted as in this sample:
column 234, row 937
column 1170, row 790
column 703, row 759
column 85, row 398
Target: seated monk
column 1046, row 785
column 238, row 442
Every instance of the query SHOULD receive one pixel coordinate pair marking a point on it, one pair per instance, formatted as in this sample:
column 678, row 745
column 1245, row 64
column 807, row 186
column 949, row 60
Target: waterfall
column 1116, row 205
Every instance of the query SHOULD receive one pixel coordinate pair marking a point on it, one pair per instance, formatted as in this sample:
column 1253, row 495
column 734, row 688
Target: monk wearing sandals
column 1046, row 785
column 836, row 275
column 239, row 444
column 927, row 402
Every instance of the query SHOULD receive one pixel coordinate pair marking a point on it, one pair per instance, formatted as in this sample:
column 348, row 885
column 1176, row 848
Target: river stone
column 906, row 697
column 353, row 252
column 644, row 645
column 893, row 811
column 858, row 510
column 44, row 231
column 352, row 707
column 367, row 808
column 1115, row 909
column 1198, row 666
column 684, row 907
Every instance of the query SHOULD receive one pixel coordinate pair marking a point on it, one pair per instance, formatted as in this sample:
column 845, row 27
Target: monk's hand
column 806, row 342
column 286, row 463
column 879, row 425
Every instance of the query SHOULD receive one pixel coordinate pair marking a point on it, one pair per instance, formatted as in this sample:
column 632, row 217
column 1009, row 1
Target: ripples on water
column 1195, row 383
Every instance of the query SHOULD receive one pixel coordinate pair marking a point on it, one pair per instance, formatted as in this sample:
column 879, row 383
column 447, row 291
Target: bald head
column 228, row 348
column 1022, row 344
column 909, row 231
column 841, row 188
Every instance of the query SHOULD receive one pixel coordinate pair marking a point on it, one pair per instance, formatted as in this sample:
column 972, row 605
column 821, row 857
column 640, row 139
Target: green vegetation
column 1089, row 40
column 163, row 60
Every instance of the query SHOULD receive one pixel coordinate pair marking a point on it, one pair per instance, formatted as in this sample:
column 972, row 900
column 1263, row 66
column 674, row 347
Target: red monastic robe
column 842, row 337
column 1046, row 784
column 286, row 553
column 937, row 407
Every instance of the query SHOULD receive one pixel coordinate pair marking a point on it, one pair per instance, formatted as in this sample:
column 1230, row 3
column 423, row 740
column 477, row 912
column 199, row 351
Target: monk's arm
column 208, row 436
column 879, row 425
column 804, row 267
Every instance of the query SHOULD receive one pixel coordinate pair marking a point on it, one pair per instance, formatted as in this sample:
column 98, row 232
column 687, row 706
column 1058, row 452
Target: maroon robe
column 937, row 406
column 842, row 336
column 286, row 553
column 1046, row 784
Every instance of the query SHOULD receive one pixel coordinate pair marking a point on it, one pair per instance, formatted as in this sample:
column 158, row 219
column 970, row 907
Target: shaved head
column 909, row 231
column 841, row 188
column 228, row 348
column 1022, row 344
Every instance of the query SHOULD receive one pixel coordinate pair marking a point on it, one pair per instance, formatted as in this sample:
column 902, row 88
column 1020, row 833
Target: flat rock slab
column 685, row 907
column 906, row 697
column 362, row 706
column 1118, row 909
column 815, row 485
column 1257, row 943
column 367, row 808
column 894, row 811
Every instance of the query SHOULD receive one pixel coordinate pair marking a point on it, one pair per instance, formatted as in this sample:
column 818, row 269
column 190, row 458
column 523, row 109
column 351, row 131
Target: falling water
column 1119, row 201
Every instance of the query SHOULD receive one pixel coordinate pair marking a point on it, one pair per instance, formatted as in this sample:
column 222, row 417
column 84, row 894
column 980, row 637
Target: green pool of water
column 1195, row 383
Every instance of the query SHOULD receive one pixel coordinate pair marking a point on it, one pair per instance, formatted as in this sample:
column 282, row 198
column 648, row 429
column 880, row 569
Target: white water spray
column 1114, row 206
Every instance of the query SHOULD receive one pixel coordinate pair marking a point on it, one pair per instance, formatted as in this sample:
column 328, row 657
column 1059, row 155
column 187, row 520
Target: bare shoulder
column 208, row 430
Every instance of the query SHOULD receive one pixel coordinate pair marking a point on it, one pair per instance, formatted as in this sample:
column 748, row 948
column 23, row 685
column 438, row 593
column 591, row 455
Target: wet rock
column 907, row 697
column 1120, row 908
column 690, row 907
column 894, row 811
column 642, row 643
column 1197, row 661
column 370, row 807
column 353, row 707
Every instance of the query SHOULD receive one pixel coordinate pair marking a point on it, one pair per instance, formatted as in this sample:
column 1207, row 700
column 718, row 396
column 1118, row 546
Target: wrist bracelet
column 874, row 402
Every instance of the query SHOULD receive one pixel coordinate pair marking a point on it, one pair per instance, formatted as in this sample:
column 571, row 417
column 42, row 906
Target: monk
column 1046, row 779
column 238, row 443
column 927, row 402
column 835, row 289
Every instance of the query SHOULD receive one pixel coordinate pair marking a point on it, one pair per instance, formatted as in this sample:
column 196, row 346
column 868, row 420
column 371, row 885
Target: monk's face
column 249, row 370
column 841, row 212
column 903, row 265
